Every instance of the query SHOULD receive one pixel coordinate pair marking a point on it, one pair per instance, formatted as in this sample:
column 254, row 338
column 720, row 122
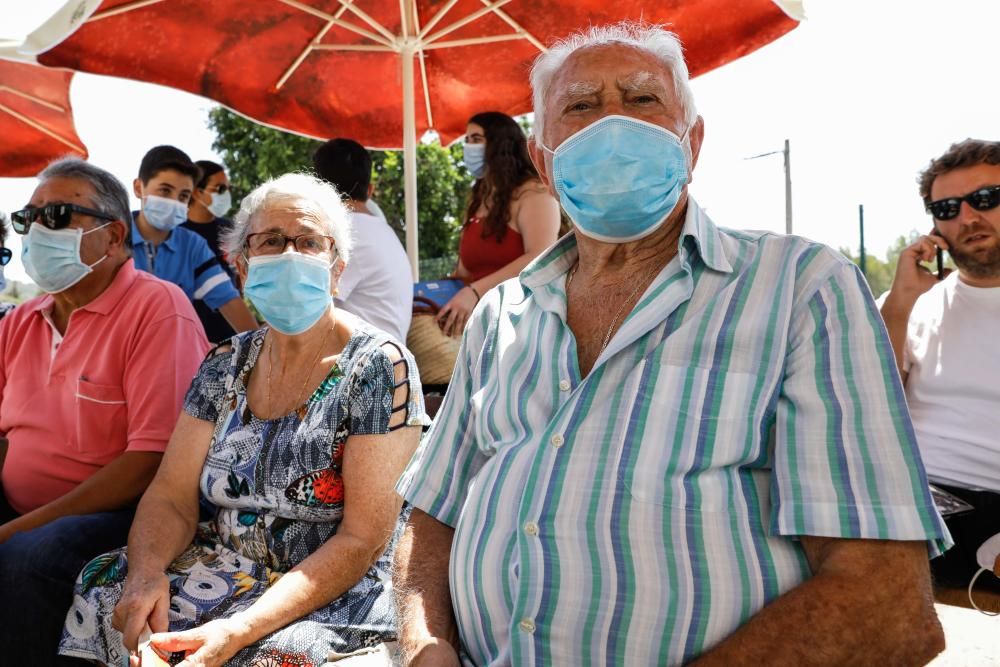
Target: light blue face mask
column 619, row 178
column 51, row 257
column 162, row 213
column 221, row 203
column 291, row 290
column 474, row 157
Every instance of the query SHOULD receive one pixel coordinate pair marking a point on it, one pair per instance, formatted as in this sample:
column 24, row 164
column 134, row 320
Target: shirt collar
column 138, row 240
column 706, row 243
column 106, row 300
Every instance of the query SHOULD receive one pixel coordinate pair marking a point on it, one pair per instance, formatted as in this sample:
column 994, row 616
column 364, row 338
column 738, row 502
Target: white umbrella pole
column 410, row 159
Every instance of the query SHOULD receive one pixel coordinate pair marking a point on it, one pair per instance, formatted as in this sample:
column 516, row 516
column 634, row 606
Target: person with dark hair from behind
column 210, row 201
column 511, row 217
column 5, row 257
column 92, row 378
column 377, row 285
column 942, row 327
column 166, row 181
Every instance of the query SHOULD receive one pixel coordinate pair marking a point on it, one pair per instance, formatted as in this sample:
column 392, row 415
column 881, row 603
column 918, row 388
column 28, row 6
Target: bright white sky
column 867, row 91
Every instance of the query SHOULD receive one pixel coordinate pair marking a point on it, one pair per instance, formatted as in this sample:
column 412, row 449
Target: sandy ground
column 972, row 638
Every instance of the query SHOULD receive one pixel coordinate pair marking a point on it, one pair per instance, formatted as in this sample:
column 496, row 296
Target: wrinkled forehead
column 62, row 190
column 615, row 66
column 289, row 214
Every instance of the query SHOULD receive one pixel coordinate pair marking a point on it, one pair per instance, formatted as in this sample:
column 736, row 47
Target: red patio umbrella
column 36, row 121
column 379, row 71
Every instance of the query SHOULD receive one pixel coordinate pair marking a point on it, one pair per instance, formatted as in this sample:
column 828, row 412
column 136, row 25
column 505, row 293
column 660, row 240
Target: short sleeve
column 448, row 458
column 204, row 397
column 211, row 282
column 846, row 462
column 371, row 398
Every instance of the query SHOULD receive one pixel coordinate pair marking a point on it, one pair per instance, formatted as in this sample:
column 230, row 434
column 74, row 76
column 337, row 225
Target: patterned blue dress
column 274, row 491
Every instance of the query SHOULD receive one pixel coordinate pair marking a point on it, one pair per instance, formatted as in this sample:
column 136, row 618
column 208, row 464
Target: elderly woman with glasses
column 288, row 449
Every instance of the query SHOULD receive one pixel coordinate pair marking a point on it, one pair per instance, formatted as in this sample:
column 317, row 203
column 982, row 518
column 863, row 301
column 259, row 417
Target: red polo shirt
column 115, row 382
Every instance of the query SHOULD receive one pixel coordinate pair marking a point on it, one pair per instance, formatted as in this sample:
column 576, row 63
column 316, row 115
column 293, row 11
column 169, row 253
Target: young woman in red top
column 511, row 217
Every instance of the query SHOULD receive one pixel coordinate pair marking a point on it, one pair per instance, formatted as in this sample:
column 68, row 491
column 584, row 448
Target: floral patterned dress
column 275, row 494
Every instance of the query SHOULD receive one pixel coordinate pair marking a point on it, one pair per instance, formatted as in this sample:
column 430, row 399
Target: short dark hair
column 164, row 158
column 3, row 227
column 966, row 153
column 208, row 169
column 347, row 165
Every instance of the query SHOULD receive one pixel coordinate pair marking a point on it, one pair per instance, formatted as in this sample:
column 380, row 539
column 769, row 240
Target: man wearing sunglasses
column 943, row 331
column 92, row 377
column 5, row 257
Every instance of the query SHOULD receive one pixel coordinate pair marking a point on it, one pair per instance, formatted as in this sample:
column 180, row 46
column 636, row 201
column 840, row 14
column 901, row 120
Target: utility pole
column 787, row 153
column 861, row 221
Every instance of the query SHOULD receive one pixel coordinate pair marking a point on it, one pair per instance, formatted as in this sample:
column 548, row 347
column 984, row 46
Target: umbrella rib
column 369, row 20
column 423, row 66
column 468, row 19
column 377, row 48
column 32, row 98
column 121, row 9
column 404, row 21
column 473, row 41
column 302, row 56
column 505, row 17
column 339, row 22
column 41, row 128
column 437, row 17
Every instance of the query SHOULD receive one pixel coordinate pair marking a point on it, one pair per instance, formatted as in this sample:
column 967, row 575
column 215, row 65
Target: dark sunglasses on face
column 53, row 216
column 5, row 255
column 983, row 199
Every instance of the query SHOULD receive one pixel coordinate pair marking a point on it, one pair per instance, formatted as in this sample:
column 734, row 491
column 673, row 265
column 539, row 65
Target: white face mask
column 221, row 203
column 162, row 213
column 52, row 257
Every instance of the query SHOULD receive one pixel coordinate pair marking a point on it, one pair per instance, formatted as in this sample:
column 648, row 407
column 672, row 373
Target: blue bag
column 436, row 292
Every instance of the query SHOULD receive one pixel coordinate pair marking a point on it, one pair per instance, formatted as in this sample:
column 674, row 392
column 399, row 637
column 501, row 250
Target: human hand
column 145, row 599
column 453, row 316
column 432, row 652
column 912, row 279
column 208, row 645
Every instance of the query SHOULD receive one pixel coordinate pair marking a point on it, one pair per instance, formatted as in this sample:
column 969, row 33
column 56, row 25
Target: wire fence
column 436, row 268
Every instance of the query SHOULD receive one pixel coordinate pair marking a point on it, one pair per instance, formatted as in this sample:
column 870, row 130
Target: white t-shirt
column 952, row 356
column 377, row 285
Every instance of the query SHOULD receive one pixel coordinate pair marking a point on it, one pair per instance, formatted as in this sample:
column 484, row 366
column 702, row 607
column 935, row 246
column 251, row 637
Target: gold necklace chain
column 281, row 379
column 618, row 313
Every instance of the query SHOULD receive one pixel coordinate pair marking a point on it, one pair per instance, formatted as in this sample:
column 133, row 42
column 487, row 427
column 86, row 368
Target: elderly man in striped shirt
column 665, row 442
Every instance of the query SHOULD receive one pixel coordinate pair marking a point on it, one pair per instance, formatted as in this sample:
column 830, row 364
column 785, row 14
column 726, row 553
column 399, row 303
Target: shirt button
column 557, row 440
column 527, row 625
column 531, row 528
column 564, row 385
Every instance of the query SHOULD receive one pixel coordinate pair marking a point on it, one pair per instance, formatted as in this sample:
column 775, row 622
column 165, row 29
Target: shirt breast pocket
column 701, row 426
column 101, row 419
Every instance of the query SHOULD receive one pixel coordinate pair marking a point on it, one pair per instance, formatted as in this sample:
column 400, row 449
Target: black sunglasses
column 5, row 256
column 53, row 216
column 983, row 199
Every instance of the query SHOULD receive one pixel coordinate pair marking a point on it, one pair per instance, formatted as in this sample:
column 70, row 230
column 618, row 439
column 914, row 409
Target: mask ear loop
column 975, row 606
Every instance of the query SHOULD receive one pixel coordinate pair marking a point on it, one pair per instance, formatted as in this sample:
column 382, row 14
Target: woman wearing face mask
column 5, row 257
column 295, row 435
column 510, row 219
column 209, row 203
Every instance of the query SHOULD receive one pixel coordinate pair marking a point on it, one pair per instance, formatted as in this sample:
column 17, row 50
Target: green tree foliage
column 253, row 153
column 880, row 273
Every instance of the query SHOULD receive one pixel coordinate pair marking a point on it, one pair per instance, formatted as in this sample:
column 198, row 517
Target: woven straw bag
column 435, row 352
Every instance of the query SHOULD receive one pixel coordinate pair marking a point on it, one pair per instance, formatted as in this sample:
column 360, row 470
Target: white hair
column 661, row 43
column 317, row 200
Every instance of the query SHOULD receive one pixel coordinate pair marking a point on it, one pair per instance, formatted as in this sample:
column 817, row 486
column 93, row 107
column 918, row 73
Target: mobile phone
column 940, row 263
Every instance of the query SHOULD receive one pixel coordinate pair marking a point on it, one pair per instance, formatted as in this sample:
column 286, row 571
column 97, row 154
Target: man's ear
column 120, row 233
column 695, row 138
column 371, row 190
column 537, row 155
column 137, row 188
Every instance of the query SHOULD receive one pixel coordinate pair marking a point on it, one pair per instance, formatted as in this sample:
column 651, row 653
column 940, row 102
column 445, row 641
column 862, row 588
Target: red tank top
column 483, row 256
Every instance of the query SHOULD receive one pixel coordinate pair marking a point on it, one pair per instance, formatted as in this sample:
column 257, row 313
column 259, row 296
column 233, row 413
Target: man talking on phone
column 943, row 327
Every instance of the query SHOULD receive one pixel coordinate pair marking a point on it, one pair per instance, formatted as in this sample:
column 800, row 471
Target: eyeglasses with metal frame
column 274, row 243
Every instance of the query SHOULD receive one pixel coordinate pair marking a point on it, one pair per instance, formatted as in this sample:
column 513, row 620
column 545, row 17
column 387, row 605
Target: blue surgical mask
column 221, row 203
column 474, row 157
column 51, row 257
column 163, row 213
column 291, row 290
column 619, row 178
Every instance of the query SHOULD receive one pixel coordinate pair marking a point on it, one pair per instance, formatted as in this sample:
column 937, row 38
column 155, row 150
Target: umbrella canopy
column 379, row 71
column 36, row 121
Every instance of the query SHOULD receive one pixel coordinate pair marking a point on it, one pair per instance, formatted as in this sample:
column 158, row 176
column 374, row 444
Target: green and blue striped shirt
column 641, row 514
